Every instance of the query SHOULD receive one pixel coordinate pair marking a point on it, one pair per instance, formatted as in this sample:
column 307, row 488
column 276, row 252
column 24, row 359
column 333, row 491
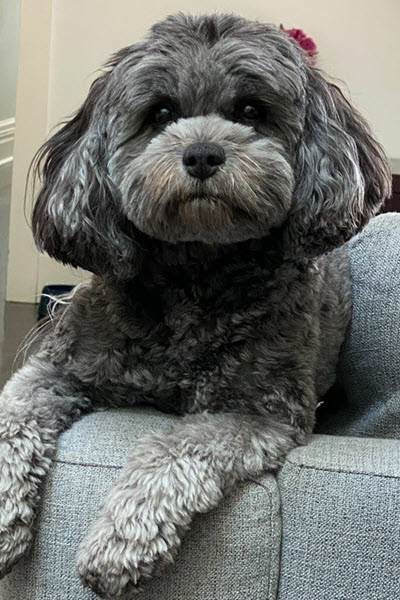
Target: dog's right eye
column 162, row 114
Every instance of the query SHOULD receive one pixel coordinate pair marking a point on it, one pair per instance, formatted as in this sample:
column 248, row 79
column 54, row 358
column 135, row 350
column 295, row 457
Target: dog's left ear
column 341, row 172
column 77, row 218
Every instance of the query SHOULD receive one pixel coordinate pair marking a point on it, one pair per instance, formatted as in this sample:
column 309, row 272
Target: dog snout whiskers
column 202, row 160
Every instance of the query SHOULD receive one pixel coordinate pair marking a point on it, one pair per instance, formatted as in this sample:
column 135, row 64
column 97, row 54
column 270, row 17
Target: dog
column 210, row 182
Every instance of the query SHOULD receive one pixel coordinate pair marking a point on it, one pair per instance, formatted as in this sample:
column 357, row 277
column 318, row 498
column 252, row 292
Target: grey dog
column 209, row 182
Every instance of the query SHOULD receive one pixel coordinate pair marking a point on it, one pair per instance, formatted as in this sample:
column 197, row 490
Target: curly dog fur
column 209, row 181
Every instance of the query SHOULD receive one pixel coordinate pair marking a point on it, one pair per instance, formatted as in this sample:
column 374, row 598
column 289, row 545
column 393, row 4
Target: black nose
column 203, row 160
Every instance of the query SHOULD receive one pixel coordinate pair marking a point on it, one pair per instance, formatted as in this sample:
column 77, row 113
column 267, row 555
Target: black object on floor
column 49, row 293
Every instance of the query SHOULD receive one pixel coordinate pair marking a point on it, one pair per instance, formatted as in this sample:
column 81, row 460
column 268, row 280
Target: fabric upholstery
column 340, row 527
column 369, row 365
column 231, row 553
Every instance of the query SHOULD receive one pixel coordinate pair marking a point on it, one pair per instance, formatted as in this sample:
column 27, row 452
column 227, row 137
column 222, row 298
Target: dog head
column 213, row 130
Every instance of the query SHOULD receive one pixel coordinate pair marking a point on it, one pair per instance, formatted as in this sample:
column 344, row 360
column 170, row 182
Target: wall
column 358, row 43
column 9, row 34
column 9, row 31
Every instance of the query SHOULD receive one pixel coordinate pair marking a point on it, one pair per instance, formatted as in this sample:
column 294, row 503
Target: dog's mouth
column 203, row 196
column 206, row 216
column 217, row 201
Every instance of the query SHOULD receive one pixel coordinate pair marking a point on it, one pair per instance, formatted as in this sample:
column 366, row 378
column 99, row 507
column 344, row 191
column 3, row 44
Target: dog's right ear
column 77, row 217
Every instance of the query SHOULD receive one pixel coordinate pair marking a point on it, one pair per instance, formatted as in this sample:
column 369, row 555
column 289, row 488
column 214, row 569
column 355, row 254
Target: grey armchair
column 326, row 527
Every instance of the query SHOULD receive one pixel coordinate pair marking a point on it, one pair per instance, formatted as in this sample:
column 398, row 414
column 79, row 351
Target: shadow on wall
column 5, row 194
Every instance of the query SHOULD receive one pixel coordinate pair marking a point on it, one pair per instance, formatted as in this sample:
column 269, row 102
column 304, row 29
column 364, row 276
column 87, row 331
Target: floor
column 19, row 320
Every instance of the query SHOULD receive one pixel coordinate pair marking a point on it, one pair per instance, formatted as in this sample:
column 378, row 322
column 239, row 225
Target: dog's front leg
column 35, row 405
column 168, row 479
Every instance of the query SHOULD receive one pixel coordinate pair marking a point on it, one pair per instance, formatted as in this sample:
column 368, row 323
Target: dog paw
column 14, row 540
column 21, row 466
column 114, row 562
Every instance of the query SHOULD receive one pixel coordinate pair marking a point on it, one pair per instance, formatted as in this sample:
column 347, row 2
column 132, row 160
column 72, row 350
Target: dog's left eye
column 163, row 115
column 248, row 111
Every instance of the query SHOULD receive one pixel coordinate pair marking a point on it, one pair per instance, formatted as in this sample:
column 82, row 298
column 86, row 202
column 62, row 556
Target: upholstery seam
column 272, row 505
column 83, row 464
column 272, row 529
column 279, row 575
column 300, row 465
column 368, row 474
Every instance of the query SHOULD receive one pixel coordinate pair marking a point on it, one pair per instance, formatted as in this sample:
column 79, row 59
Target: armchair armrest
column 231, row 552
column 340, row 520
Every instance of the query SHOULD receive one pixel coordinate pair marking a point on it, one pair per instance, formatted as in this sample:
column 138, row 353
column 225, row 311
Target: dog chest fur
column 203, row 345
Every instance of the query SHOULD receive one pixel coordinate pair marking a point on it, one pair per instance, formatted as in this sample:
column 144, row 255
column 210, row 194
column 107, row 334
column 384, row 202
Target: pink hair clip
column 304, row 41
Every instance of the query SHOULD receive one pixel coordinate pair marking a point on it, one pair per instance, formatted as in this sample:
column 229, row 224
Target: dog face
column 203, row 149
column 214, row 130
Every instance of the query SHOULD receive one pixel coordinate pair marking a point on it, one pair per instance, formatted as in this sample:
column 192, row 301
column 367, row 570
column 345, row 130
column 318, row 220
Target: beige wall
column 9, row 32
column 358, row 42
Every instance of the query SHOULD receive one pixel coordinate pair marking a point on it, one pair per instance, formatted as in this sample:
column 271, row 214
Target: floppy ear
column 341, row 172
column 77, row 218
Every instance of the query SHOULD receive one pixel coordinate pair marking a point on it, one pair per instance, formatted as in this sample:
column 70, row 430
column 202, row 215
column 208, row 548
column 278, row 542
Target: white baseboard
column 7, row 131
column 6, row 172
